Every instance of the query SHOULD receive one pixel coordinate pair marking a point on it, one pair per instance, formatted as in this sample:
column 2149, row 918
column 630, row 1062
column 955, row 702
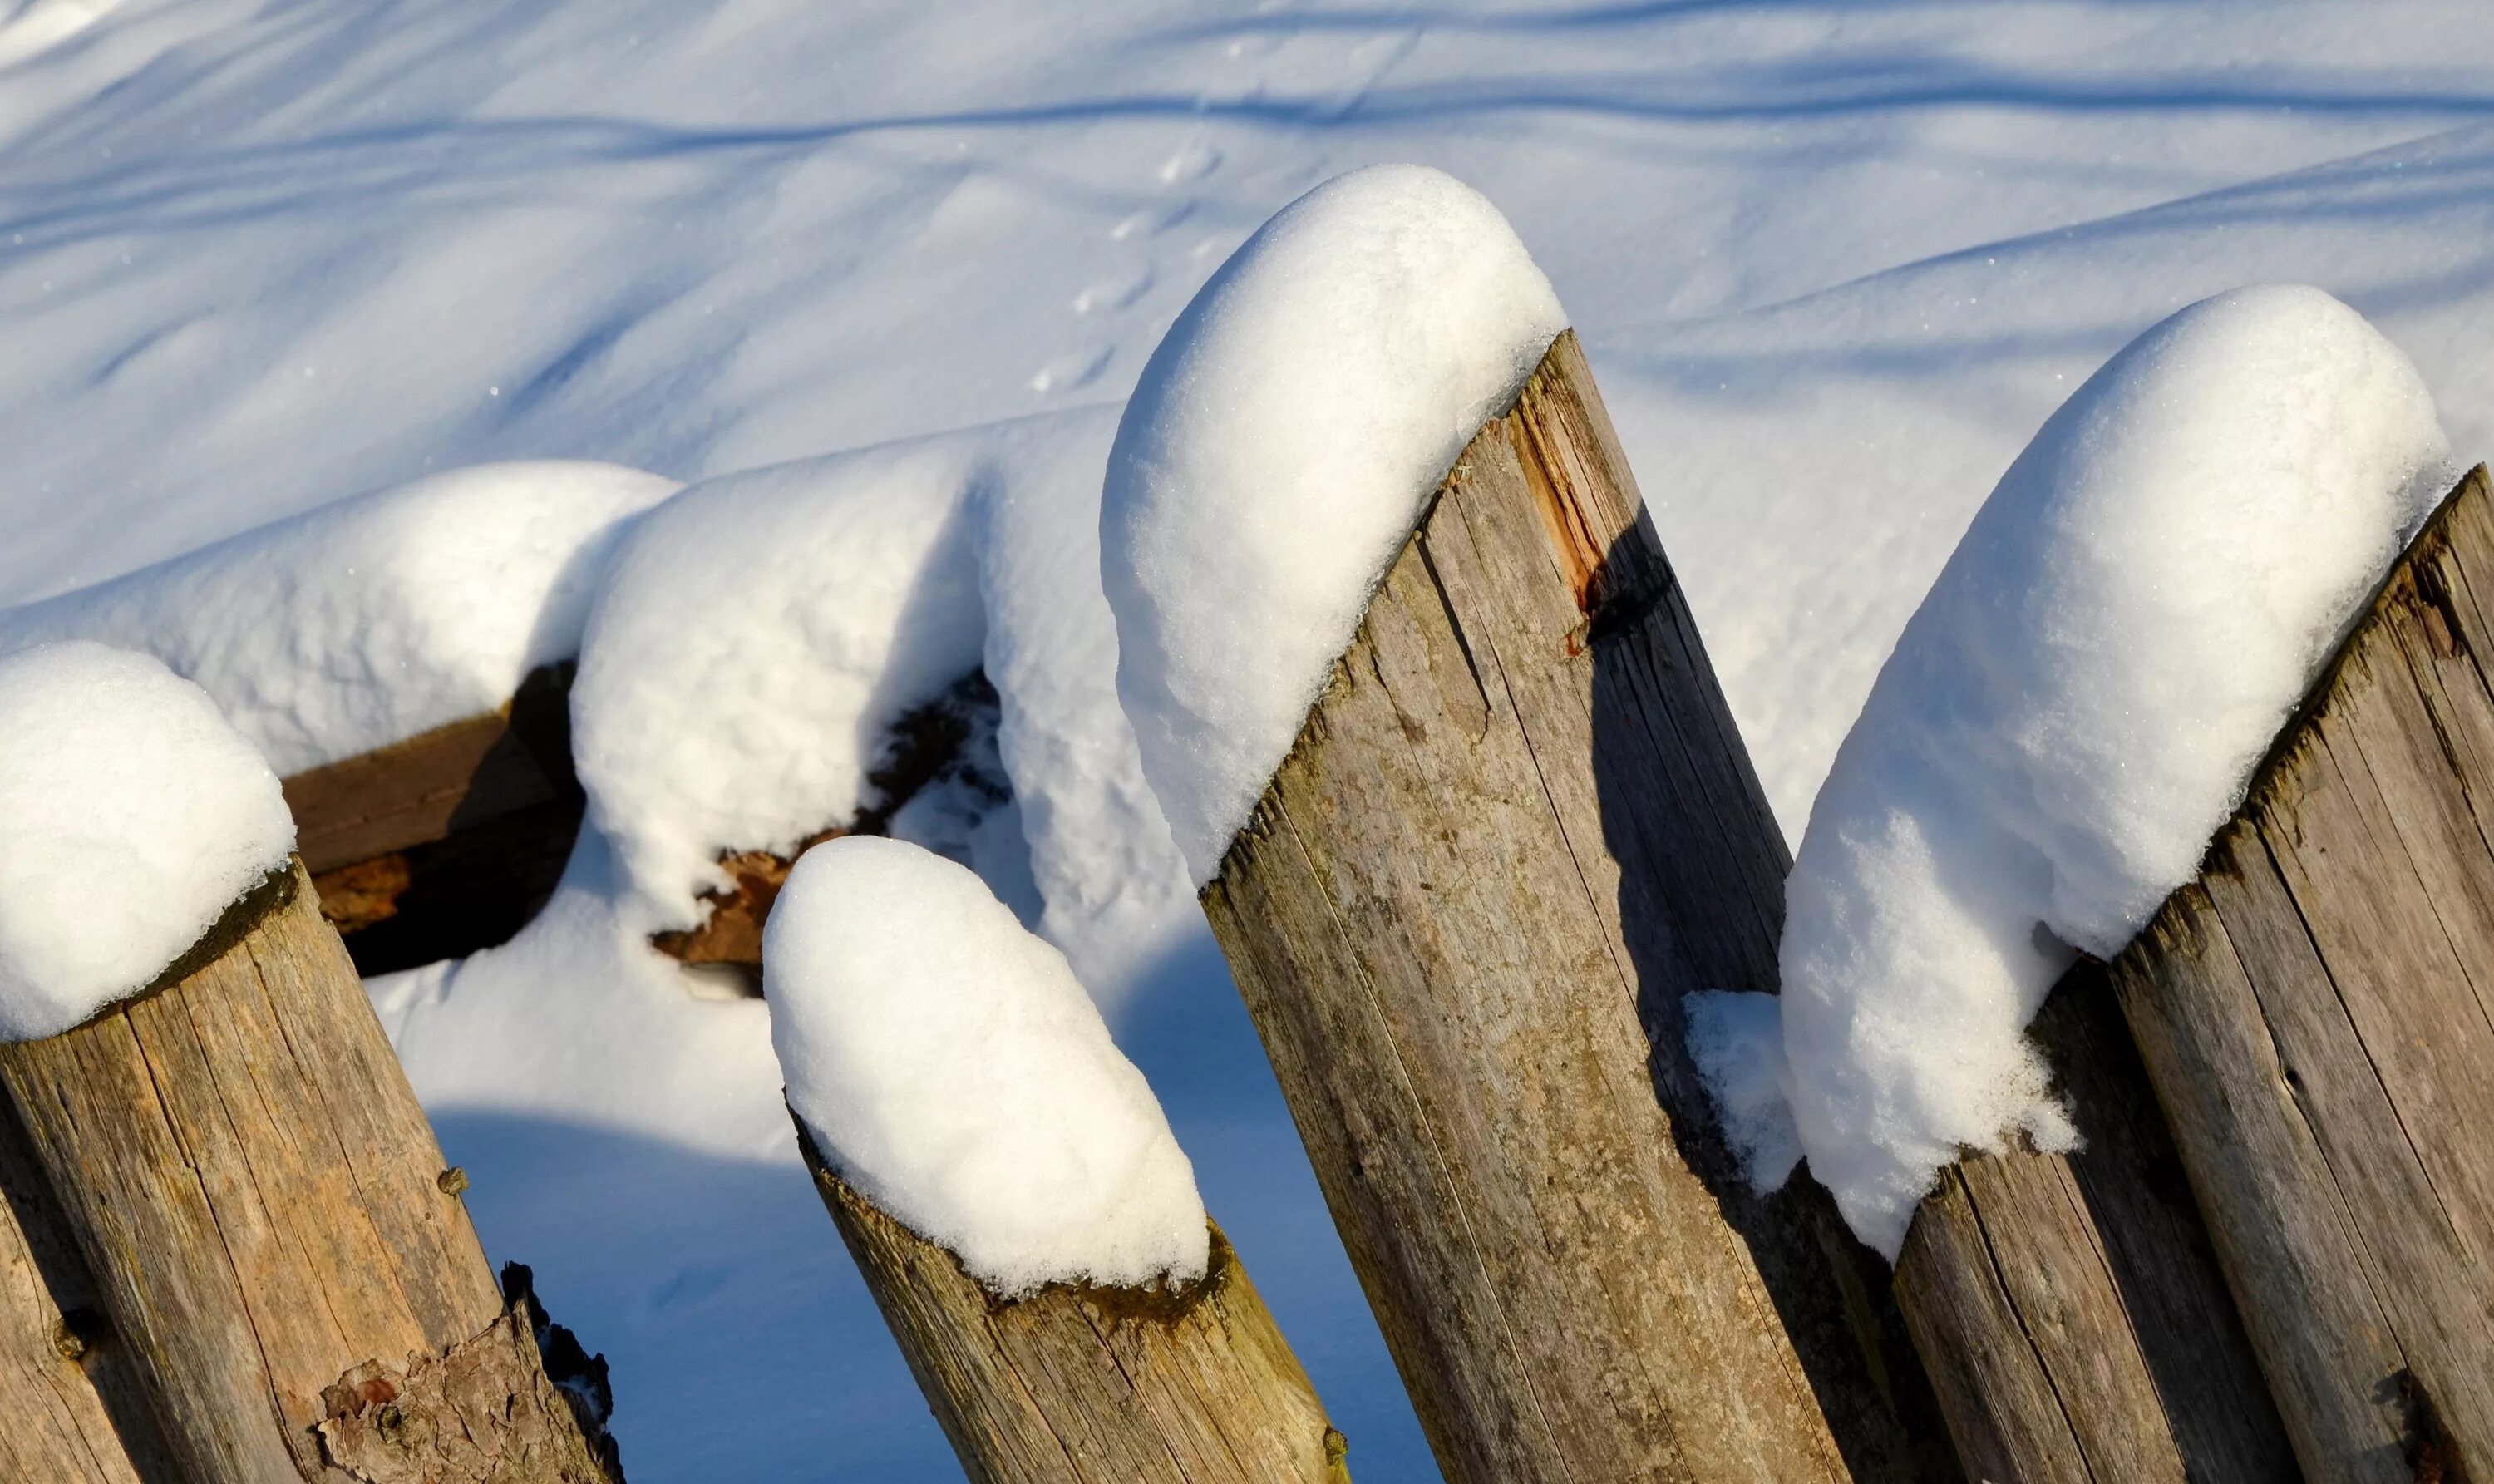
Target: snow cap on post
column 955, row 1071
column 1283, row 443
column 131, row 815
column 2072, row 713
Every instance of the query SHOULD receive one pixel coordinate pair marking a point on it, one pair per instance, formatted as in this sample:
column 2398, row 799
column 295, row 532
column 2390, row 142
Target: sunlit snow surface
column 1835, row 264
column 132, row 816
column 1283, row 440
column 951, row 1068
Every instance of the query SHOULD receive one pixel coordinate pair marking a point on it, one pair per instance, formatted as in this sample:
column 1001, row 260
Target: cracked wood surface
column 243, row 1169
column 1090, row 1385
column 69, row 1410
column 2314, row 1012
column 2070, row 1308
column 1517, row 828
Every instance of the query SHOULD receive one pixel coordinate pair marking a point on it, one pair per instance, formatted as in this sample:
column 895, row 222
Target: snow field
column 957, row 1074
column 131, row 816
column 1279, row 449
column 2068, row 717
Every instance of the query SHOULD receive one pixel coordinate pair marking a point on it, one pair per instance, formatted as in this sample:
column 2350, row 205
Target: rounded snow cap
column 1281, row 445
column 955, row 1071
column 131, row 816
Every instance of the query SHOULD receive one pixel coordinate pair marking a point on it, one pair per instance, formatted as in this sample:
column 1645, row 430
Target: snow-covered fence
column 278, row 1254
column 2125, row 632
column 1518, row 826
column 1012, row 1194
column 2315, row 1016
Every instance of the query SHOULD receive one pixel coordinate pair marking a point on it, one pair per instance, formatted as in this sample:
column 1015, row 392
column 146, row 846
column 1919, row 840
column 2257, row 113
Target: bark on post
column 1090, row 1385
column 241, row 1163
column 2070, row 1309
column 1515, row 831
column 2316, row 1014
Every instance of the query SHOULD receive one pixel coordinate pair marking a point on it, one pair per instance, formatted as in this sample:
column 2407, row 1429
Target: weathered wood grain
column 1090, row 1385
column 449, row 841
column 2070, row 1307
column 2313, row 1015
column 249, row 1180
column 70, row 1411
column 1517, row 828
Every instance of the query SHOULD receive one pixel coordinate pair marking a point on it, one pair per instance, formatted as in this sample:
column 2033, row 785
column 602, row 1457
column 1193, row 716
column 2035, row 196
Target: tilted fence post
column 2069, row 1307
column 1073, row 1384
column 2317, row 1015
column 1516, row 828
column 274, row 1240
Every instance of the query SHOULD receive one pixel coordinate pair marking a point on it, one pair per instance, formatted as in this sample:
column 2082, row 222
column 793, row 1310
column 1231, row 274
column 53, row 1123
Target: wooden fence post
column 1518, row 826
column 2314, row 1012
column 69, row 1410
column 272, row 1236
column 2069, row 1307
column 1091, row 1385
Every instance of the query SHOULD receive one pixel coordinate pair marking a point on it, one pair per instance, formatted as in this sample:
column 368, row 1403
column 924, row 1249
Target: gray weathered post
column 1517, row 828
column 279, row 1252
column 2317, row 1015
column 1090, row 1385
column 2069, row 1307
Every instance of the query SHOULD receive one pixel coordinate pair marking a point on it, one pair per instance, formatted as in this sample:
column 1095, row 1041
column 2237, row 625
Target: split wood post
column 272, row 1237
column 1517, row 828
column 449, row 841
column 2317, row 1015
column 1087, row 1385
column 2069, row 1307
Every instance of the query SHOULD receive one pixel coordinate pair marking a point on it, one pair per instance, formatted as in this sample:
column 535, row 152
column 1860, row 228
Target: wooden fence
column 1518, row 827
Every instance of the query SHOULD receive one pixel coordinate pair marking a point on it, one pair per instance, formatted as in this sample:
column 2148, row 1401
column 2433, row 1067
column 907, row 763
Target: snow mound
column 755, row 641
column 783, row 622
column 955, row 1070
column 367, row 621
column 1282, row 444
column 1116, row 891
column 131, row 816
column 2071, row 714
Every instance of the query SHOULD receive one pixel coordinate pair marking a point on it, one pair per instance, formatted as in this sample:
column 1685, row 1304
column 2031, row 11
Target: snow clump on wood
column 953, row 1069
column 2072, row 713
column 1282, row 444
column 131, row 815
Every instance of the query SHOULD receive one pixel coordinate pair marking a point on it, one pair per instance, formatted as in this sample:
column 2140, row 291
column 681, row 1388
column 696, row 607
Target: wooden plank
column 2314, row 1017
column 246, row 1174
column 1086, row 1385
column 1516, row 830
column 449, row 841
column 2070, row 1307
